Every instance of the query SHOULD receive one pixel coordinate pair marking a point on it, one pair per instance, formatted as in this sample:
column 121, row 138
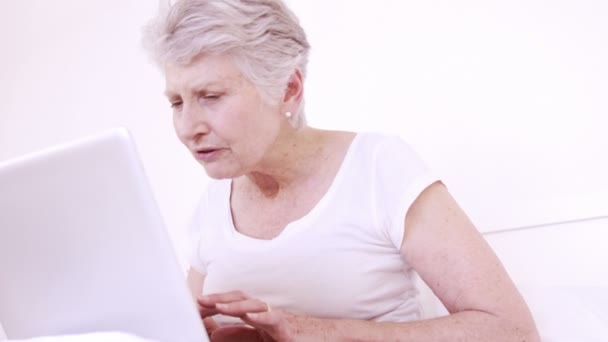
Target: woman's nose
column 190, row 123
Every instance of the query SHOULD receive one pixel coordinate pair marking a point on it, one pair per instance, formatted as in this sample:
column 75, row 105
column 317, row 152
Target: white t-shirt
column 341, row 260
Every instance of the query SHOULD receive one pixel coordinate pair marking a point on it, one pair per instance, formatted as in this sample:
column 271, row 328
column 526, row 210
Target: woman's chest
column 339, row 273
column 262, row 218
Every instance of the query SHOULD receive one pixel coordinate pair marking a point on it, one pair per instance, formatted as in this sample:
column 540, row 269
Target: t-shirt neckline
column 296, row 225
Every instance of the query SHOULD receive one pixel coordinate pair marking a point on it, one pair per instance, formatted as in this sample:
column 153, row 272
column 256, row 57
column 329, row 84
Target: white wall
column 505, row 99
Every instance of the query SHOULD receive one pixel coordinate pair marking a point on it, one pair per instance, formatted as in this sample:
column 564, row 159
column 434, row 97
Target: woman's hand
column 270, row 324
column 239, row 333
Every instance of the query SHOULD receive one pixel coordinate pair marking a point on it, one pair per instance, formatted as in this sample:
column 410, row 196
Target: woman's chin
column 219, row 172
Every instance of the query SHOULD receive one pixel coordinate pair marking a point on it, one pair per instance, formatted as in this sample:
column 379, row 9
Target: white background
column 506, row 100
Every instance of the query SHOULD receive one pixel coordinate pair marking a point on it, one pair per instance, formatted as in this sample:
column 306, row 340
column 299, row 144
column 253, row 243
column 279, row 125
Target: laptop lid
column 83, row 247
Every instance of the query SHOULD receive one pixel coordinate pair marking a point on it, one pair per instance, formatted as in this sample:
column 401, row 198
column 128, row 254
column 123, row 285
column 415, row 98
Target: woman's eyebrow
column 202, row 87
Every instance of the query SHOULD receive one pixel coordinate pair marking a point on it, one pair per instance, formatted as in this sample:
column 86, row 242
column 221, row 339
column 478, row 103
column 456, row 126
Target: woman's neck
column 291, row 161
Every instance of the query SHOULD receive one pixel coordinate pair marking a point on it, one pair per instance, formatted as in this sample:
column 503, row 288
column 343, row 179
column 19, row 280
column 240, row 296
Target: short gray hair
column 264, row 36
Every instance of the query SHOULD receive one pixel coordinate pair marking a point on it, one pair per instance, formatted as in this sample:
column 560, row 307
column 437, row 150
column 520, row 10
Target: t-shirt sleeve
column 195, row 233
column 400, row 177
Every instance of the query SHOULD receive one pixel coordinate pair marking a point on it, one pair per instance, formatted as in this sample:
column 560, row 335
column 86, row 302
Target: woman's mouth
column 208, row 154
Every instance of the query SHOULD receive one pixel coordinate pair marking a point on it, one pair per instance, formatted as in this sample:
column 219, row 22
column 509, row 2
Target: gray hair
column 264, row 36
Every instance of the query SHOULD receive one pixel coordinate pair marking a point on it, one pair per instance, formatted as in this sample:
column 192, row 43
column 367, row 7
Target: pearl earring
column 288, row 114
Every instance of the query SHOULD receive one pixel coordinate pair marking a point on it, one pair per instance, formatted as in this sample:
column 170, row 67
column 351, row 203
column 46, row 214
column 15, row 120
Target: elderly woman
column 307, row 234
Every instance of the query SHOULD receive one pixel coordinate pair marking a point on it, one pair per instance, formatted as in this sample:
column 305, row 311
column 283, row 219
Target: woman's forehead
column 202, row 73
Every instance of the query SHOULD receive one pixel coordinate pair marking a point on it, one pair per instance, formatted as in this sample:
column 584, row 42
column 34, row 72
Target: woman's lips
column 209, row 155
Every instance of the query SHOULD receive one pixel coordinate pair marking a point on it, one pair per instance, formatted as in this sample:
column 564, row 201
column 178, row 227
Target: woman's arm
column 196, row 280
column 450, row 255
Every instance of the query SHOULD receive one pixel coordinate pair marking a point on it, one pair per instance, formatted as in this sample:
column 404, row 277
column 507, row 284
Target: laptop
column 83, row 247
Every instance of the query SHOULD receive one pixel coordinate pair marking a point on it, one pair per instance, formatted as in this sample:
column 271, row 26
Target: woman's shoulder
column 372, row 147
column 380, row 138
column 366, row 138
column 379, row 144
column 388, row 154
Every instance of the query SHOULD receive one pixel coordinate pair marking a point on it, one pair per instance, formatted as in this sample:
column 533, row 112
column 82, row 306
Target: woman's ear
column 294, row 91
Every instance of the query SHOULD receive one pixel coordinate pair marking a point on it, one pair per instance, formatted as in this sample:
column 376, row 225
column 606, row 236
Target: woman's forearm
column 462, row 326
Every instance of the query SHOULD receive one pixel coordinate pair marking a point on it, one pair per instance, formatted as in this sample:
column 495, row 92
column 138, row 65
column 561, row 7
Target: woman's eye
column 212, row 97
column 176, row 104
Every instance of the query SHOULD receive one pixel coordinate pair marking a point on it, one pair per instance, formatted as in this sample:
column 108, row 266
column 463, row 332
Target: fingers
column 235, row 304
column 277, row 324
column 258, row 314
column 210, row 325
column 227, row 297
column 207, row 311
column 264, row 319
column 207, row 304
column 240, row 308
